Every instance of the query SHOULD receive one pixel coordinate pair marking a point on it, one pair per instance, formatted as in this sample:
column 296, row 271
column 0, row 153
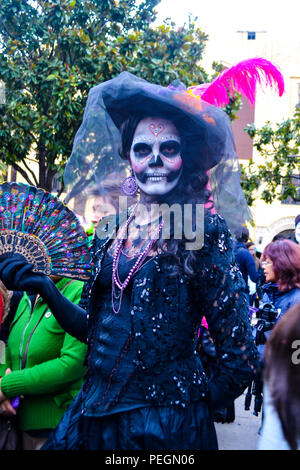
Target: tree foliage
column 54, row 51
column 278, row 171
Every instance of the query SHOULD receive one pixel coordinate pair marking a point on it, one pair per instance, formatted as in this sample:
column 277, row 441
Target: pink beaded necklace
column 137, row 265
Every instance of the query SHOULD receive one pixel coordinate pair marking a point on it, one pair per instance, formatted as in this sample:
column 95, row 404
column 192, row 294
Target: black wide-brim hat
column 205, row 132
column 203, row 126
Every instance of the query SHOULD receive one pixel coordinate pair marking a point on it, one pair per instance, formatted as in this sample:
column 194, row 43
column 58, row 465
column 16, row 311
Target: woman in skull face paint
column 155, row 156
column 146, row 387
column 163, row 162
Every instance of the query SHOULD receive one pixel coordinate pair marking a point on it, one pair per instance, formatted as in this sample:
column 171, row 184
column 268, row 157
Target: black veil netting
column 95, row 165
column 227, row 194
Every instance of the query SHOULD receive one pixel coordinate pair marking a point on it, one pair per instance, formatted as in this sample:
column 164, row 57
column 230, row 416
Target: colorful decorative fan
column 38, row 226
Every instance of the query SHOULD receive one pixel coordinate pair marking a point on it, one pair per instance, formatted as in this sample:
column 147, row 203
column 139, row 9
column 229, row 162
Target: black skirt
column 149, row 428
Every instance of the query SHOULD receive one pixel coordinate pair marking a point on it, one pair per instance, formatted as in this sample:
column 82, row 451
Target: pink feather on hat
column 241, row 78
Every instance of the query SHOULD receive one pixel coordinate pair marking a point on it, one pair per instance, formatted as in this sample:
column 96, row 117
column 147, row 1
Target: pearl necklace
column 137, row 265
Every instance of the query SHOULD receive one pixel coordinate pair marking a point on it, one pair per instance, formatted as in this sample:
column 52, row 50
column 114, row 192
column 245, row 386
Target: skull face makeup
column 155, row 156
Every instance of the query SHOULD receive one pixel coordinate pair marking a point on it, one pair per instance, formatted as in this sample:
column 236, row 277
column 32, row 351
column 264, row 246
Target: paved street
column 242, row 434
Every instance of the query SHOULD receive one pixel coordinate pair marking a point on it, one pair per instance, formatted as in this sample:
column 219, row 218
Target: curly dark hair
column 191, row 189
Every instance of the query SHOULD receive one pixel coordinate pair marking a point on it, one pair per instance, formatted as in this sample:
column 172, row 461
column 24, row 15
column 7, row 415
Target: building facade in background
column 276, row 218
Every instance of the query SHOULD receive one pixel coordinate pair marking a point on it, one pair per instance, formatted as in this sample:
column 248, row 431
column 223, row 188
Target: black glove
column 17, row 275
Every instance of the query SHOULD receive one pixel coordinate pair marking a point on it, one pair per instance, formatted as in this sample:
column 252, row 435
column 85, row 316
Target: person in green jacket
column 43, row 365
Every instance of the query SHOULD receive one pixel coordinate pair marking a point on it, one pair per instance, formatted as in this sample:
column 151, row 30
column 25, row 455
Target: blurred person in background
column 244, row 258
column 278, row 237
column 281, row 424
column 255, row 288
column 281, row 264
column 106, row 202
column 252, row 249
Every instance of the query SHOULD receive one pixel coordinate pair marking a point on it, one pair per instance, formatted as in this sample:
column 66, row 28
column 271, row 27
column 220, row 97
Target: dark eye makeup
column 170, row 148
column 142, row 150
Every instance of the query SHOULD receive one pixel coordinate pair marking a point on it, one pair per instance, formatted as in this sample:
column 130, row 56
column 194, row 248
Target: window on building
column 251, row 35
column 290, row 200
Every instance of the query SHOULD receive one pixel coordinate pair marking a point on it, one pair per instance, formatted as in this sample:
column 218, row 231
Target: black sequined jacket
column 155, row 362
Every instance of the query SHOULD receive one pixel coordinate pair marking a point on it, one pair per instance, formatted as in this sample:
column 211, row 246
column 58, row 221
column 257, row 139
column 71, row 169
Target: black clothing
column 155, row 428
column 246, row 263
column 146, row 356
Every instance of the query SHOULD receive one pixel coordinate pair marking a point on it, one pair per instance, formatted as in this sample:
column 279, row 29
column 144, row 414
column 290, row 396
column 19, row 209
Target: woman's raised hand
column 17, row 274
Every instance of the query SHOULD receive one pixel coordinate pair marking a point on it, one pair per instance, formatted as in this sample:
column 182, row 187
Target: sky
column 221, row 19
column 275, row 16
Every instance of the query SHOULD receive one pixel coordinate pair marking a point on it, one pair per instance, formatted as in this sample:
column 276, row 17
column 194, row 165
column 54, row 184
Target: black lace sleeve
column 227, row 313
column 97, row 250
column 86, row 291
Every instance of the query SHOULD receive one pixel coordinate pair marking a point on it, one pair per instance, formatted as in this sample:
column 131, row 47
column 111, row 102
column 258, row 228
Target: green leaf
column 52, row 53
column 51, row 77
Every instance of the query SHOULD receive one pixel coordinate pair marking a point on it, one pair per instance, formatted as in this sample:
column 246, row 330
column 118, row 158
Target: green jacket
column 54, row 368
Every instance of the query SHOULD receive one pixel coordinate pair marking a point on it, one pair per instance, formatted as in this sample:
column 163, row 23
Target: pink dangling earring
column 129, row 185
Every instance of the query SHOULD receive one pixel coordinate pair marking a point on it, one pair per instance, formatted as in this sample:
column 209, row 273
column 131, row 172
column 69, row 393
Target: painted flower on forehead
column 156, row 128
